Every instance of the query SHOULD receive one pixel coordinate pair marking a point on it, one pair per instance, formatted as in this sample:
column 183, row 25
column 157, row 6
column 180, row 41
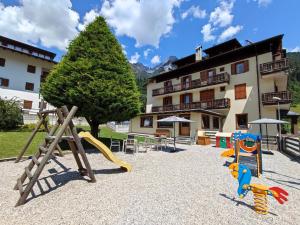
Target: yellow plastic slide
column 105, row 150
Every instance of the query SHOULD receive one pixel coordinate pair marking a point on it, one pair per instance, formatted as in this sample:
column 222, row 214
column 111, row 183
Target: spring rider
column 243, row 174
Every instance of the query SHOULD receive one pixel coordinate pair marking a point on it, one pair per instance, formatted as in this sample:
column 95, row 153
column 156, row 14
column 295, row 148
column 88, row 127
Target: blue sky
column 150, row 31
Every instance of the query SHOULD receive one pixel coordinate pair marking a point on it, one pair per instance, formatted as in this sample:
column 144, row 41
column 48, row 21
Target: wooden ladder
column 43, row 115
column 63, row 126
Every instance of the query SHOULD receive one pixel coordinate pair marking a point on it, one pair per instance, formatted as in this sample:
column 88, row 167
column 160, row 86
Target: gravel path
column 187, row 187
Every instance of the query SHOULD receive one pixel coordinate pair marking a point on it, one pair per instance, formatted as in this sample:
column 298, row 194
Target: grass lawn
column 12, row 142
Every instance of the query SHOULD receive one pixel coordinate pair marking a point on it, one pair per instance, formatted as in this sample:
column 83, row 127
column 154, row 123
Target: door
column 206, row 98
column 167, row 103
column 186, row 100
column 186, row 82
column 184, row 128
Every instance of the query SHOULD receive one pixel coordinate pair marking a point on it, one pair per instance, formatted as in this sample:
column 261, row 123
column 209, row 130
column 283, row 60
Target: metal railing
column 285, row 98
column 274, row 66
column 215, row 79
column 223, row 103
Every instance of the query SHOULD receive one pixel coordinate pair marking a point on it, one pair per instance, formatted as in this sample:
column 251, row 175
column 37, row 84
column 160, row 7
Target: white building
column 22, row 69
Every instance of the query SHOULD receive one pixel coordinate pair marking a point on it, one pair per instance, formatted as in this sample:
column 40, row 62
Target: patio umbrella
column 175, row 119
column 267, row 121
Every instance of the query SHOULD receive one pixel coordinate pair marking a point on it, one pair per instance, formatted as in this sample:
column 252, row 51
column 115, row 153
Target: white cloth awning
column 175, row 119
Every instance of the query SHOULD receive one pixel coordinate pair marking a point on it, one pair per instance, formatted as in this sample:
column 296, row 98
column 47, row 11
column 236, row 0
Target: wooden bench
column 162, row 132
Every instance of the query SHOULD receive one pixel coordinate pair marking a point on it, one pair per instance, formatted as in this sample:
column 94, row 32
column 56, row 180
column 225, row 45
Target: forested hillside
column 294, row 76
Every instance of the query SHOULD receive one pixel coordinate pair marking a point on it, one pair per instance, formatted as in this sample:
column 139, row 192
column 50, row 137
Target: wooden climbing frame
column 63, row 126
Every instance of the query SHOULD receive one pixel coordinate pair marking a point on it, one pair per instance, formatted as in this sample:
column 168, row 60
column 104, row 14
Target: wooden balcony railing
column 285, row 98
column 275, row 66
column 223, row 103
column 215, row 79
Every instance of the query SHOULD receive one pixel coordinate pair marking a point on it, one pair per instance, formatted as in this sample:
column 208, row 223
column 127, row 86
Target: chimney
column 199, row 53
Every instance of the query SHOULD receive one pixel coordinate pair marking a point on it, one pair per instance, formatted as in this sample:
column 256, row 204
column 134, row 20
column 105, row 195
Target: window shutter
column 4, row 82
column 246, row 65
column 233, row 68
column 27, row 104
column 204, row 75
column 181, row 99
column 2, row 62
column 191, row 97
column 240, row 91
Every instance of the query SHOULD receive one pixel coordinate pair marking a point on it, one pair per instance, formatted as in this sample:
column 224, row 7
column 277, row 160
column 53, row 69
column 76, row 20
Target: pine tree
column 95, row 76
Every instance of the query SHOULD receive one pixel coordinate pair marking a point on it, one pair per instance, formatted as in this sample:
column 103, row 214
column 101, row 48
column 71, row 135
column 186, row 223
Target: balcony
column 268, row 98
column 273, row 67
column 223, row 103
column 215, row 79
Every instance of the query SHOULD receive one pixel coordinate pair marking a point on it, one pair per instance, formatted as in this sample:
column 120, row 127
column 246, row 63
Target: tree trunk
column 94, row 129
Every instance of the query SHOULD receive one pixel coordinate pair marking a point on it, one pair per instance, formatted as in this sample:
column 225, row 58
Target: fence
column 291, row 146
column 122, row 127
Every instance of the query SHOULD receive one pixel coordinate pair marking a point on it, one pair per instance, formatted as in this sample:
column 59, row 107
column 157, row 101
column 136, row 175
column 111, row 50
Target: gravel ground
column 188, row 187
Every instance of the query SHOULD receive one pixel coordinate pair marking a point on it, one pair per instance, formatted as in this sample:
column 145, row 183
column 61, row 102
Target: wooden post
column 24, row 149
column 52, row 146
column 80, row 148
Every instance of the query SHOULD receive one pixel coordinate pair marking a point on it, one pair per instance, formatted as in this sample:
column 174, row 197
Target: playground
column 191, row 186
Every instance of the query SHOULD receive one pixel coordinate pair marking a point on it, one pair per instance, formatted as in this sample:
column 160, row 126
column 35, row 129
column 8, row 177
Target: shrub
column 10, row 114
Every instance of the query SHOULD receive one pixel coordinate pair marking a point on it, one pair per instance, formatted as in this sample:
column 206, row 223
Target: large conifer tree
column 95, row 76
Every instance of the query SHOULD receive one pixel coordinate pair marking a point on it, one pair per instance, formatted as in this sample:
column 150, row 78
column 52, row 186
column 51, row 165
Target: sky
column 152, row 30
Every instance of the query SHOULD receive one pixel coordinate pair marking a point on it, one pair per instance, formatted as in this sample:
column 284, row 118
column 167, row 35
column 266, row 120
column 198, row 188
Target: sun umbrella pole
column 267, row 137
column 174, row 135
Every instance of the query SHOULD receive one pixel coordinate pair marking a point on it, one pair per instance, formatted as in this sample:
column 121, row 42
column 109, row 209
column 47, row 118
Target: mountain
column 142, row 73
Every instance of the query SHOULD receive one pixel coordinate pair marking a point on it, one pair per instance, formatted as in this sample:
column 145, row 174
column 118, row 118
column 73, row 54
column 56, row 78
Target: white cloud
column 230, row 32
column 124, row 49
column 207, row 33
column 263, row 3
column 296, row 49
column 221, row 16
column 194, row 11
column 155, row 59
column 52, row 23
column 145, row 21
column 88, row 18
column 134, row 58
column 146, row 52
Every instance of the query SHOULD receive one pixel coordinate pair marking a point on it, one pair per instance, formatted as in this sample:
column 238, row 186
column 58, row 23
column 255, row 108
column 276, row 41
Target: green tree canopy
column 95, row 76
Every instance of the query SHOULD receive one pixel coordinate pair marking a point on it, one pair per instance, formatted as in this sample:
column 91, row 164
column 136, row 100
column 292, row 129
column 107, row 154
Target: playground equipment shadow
column 241, row 202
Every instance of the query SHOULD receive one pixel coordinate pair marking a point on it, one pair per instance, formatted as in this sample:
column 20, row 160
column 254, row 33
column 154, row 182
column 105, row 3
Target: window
column 147, row 121
column 240, row 91
column 222, row 88
column 164, row 124
column 186, row 82
column 44, row 75
column 27, row 104
column 2, row 62
column 216, row 123
column 30, row 69
column 241, row 121
column 205, row 122
column 4, row 82
column 240, row 67
column 222, row 69
column 168, row 86
column 29, row 86
column 167, row 100
column 44, row 106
